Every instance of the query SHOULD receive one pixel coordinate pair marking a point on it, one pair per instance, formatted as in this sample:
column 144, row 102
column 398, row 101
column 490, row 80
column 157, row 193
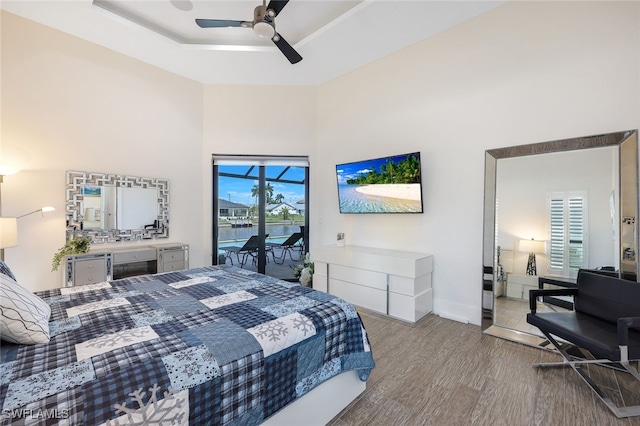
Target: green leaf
column 77, row 245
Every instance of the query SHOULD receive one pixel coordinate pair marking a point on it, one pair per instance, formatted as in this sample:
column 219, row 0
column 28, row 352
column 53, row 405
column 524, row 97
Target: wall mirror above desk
column 115, row 208
column 577, row 199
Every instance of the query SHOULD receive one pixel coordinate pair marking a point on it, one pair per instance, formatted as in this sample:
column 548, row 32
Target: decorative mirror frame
column 488, row 254
column 74, row 198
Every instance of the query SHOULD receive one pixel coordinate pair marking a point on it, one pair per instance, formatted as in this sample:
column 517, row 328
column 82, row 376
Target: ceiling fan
column 263, row 25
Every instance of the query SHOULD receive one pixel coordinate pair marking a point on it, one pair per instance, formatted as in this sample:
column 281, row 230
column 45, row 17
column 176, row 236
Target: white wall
column 258, row 120
column 70, row 105
column 526, row 72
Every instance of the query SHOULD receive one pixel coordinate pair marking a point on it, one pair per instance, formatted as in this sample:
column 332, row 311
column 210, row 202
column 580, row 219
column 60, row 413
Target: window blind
column 260, row 160
column 556, row 252
column 576, row 232
column 567, row 232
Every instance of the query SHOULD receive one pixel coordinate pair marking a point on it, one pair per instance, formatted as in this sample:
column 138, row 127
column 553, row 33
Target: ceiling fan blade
column 288, row 51
column 219, row 23
column 277, row 5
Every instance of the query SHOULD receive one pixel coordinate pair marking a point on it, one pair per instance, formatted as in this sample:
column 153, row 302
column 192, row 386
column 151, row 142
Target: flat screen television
column 381, row 185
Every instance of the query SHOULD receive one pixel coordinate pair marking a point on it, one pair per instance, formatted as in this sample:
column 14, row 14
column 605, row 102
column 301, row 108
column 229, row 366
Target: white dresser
column 391, row 282
column 518, row 285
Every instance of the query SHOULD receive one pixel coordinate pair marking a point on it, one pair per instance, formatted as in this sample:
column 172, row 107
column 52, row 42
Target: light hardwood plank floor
column 441, row 372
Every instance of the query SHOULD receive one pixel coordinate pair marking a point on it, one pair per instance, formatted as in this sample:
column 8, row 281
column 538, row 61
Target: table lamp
column 532, row 247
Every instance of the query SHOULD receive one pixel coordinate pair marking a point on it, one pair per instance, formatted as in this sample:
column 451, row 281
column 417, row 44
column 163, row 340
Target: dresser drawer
column 514, row 290
column 360, row 295
column 173, row 266
column 361, row 277
column 530, row 280
column 89, row 271
column 173, row 256
column 133, row 256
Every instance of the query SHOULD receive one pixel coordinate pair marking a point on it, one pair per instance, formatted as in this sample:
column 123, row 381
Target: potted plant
column 77, row 245
column 304, row 272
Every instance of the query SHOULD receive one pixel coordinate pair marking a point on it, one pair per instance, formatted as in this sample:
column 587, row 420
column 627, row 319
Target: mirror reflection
column 551, row 209
column 551, row 223
column 111, row 208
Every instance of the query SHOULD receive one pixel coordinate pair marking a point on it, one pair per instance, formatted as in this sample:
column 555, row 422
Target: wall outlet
column 340, row 239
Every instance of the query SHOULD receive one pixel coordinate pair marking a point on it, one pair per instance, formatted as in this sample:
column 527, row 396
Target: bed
column 216, row 345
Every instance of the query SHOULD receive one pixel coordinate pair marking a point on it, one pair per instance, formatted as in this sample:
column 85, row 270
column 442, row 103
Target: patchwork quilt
column 217, row 346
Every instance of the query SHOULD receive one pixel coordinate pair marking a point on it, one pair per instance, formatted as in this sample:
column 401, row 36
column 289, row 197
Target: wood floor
column 441, row 372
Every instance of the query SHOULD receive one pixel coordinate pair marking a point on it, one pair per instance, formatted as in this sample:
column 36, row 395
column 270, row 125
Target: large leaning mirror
column 113, row 208
column 551, row 209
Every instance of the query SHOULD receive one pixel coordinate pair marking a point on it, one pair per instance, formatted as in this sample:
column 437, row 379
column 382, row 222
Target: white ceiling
column 333, row 36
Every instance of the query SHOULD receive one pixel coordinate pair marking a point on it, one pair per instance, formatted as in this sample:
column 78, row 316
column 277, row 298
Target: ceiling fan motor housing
column 259, row 12
column 263, row 26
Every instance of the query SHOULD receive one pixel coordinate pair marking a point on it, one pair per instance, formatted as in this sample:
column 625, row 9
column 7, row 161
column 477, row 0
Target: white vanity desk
column 104, row 264
column 391, row 282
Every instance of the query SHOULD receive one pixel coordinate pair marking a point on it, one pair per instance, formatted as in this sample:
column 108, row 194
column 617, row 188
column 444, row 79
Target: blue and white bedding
column 217, row 345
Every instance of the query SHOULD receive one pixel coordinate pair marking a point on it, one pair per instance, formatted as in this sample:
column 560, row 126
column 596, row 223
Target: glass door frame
column 261, row 162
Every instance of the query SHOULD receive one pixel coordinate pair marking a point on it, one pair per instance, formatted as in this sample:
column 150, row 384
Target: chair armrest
column 534, row 294
column 624, row 324
column 560, row 282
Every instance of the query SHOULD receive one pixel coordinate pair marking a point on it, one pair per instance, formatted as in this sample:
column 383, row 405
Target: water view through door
column 260, row 215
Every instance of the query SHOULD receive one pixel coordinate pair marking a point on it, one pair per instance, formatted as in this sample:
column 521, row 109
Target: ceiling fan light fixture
column 264, row 29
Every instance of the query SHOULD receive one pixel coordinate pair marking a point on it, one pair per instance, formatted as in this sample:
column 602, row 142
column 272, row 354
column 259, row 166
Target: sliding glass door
column 260, row 213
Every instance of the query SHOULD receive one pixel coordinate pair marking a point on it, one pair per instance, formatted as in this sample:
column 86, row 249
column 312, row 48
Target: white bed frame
column 322, row 404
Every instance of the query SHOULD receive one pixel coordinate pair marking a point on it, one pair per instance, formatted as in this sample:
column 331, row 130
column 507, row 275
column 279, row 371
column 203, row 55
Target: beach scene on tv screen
column 382, row 185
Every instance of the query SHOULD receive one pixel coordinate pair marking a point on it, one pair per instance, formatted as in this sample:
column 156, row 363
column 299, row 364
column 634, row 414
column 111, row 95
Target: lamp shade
column 6, row 170
column 531, row 246
column 8, row 232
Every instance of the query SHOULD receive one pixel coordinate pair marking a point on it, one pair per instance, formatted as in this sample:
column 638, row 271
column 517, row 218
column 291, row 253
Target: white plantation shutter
column 567, row 232
column 576, row 232
column 556, row 251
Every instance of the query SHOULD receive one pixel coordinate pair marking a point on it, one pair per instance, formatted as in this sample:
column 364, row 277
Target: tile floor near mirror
column 512, row 313
column 442, row 372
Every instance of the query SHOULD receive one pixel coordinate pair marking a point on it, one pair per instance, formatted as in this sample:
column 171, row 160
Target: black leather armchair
column 605, row 322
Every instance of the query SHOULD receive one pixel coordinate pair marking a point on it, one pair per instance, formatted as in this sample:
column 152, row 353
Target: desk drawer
column 89, row 271
column 134, row 256
column 173, row 266
column 172, row 256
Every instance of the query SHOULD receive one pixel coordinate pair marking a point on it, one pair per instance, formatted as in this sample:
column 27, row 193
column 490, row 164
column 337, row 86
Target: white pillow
column 24, row 317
